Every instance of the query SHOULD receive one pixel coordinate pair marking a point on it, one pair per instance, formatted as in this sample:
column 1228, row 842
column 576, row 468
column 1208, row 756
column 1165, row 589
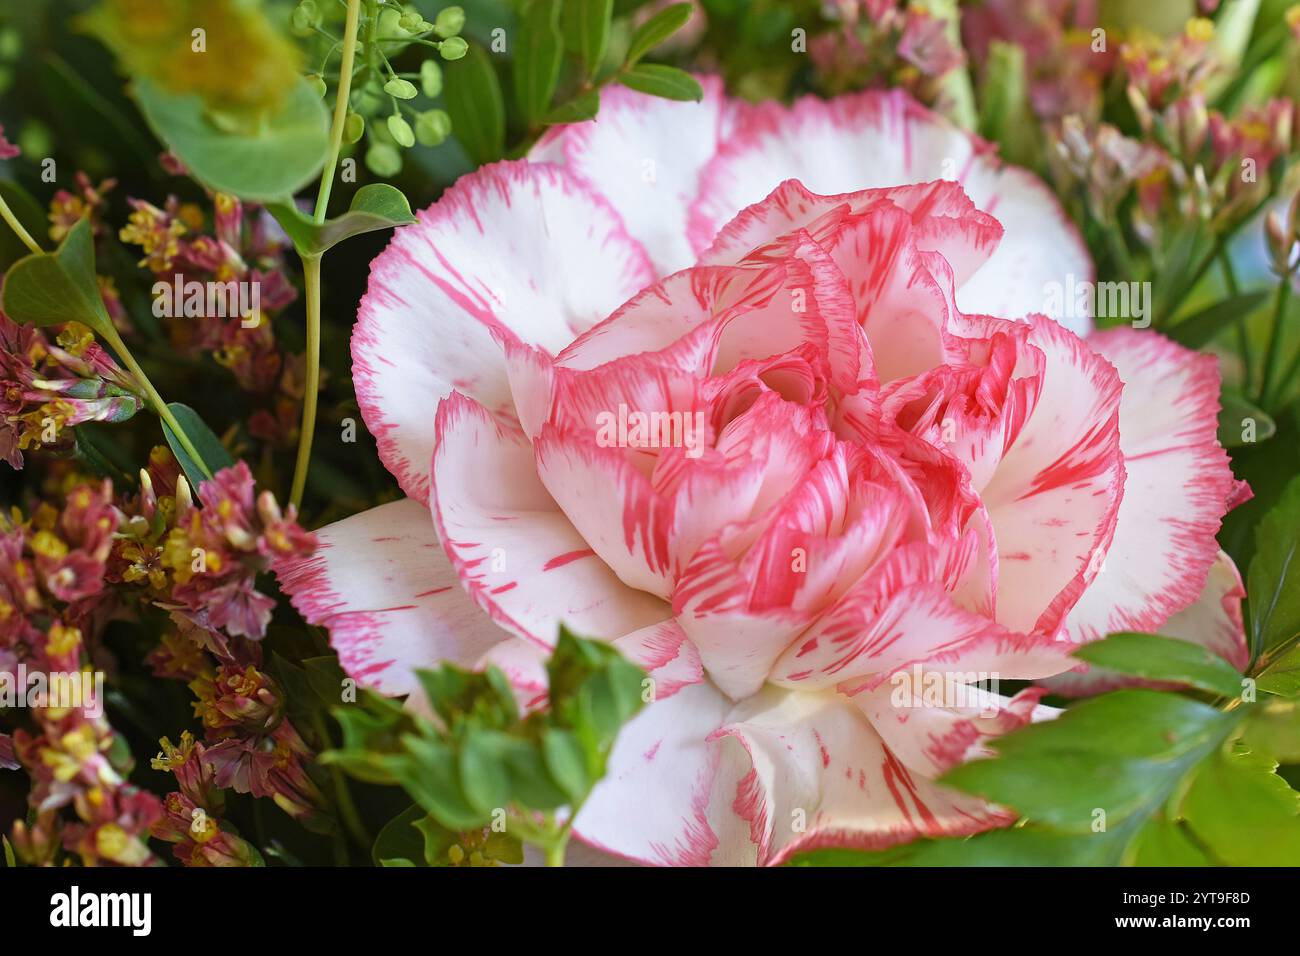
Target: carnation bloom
column 759, row 394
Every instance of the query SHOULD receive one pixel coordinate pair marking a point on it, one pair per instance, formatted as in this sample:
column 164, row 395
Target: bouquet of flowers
column 731, row 433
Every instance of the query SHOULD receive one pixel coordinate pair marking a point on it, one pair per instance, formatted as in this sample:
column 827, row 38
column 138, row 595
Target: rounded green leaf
column 285, row 153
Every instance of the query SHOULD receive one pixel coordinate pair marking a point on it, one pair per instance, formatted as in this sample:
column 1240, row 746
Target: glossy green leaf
column 1200, row 328
column 585, row 25
column 1157, row 658
column 285, row 153
column 1273, row 581
column 399, row 843
column 51, row 288
column 656, row 30
column 374, row 207
column 665, row 81
column 537, row 60
column 206, row 443
column 477, row 109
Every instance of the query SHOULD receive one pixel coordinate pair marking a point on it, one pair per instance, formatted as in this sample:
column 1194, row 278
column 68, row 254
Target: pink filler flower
column 760, row 395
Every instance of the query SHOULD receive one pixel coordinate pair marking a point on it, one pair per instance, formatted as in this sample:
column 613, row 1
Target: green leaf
column 1148, row 742
column 325, row 678
column 29, row 213
column 1161, row 843
column 1273, row 581
column 10, row 861
column 50, row 288
column 374, row 207
column 206, row 443
column 399, row 842
column 577, row 110
column 1242, row 422
column 537, row 61
column 585, row 25
column 1200, row 328
column 666, row 81
column 1244, row 812
column 285, row 152
column 478, row 116
column 1281, row 675
column 484, row 777
column 432, row 778
column 656, row 30
column 1006, row 117
column 1157, row 658
column 566, row 762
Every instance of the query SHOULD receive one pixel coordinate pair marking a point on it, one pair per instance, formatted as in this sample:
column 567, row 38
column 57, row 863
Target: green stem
column 311, row 284
column 340, row 109
column 8, row 215
column 342, row 794
column 155, row 399
column 1274, row 341
column 311, row 264
column 1243, row 338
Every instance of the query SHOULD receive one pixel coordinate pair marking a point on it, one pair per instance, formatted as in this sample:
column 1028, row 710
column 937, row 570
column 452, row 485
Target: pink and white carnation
column 763, row 396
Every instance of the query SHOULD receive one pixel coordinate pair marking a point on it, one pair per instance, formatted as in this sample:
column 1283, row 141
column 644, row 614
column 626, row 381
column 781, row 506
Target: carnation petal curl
column 900, row 469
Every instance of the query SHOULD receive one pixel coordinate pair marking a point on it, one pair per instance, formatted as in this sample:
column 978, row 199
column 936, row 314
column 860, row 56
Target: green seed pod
column 318, row 84
column 432, row 127
column 410, row 21
column 383, row 160
column 353, row 127
column 431, row 78
column 449, row 22
column 453, row 48
column 402, row 89
column 401, row 131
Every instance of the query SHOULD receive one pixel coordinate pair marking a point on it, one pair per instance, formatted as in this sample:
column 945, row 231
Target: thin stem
column 17, row 227
column 155, row 399
column 311, row 282
column 311, row 264
column 1274, row 341
column 340, row 108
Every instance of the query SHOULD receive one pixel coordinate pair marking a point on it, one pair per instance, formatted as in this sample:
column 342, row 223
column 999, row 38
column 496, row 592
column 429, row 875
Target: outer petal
column 381, row 585
column 1176, row 491
column 644, row 154
column 818, row 761
column 665, row 799
column 931, row 737
column 517, row 554
column 886, row 139
column 1213, row 620
column 513, row 251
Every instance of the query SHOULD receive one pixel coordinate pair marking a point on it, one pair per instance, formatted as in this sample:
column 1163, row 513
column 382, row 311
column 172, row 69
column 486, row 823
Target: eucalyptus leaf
column 51, row 288
column 374, row 207
column 285, row 153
